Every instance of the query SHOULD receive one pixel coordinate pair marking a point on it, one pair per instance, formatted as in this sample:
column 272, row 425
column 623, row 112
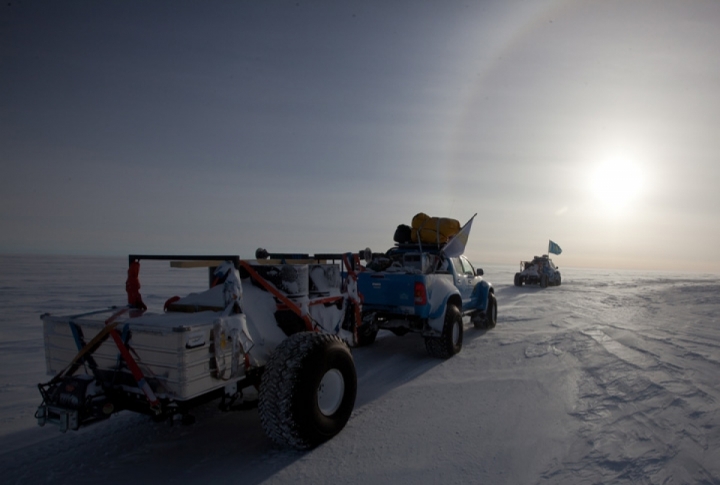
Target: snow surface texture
column 610, row 378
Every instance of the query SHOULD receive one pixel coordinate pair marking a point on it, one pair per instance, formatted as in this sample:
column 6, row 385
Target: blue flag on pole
column 553, row 248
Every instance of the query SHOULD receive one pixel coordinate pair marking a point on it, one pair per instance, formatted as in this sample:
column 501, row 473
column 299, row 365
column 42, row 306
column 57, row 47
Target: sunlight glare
column 617, row 183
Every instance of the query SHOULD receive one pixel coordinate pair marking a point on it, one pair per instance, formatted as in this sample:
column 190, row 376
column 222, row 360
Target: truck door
column 464, row 279
column 471, row 280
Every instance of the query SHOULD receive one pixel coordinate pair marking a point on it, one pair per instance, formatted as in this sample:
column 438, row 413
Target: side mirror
column 479, row 272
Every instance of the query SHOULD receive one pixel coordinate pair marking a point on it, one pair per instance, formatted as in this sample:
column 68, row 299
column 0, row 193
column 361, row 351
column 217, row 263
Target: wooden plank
column 194, row 264
column 287, row 261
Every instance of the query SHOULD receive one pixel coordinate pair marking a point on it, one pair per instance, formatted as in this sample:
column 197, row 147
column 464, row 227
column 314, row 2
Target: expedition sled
column 277, row 329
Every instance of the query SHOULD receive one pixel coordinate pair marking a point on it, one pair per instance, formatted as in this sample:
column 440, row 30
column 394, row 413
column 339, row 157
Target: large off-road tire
column 543, row 281
column 451, row 340
column 518, row 279
column 307, row 391
column 559, row 280
column 491, row 312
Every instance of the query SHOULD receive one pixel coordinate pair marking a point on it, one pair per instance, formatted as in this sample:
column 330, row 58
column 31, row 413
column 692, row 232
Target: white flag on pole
column 457, row 244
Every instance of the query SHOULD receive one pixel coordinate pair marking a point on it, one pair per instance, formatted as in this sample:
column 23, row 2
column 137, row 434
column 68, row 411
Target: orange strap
column 353, row 275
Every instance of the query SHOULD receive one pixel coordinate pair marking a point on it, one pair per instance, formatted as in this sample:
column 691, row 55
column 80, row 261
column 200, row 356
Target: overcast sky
column 315, row 126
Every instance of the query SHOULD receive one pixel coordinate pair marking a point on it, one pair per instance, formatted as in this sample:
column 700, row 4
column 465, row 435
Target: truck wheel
column 559, row 280
column 518, row 279
column 450, row 342
column 307, row 391
column 490, row 314
column 366, row 334
column 543, row 281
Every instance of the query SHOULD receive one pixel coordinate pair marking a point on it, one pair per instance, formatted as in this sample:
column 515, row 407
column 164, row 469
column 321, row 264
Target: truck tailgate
column 387, row 291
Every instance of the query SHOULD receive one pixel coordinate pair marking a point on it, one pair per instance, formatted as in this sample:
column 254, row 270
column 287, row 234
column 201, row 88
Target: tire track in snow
column 629, row 405
column 646, row 403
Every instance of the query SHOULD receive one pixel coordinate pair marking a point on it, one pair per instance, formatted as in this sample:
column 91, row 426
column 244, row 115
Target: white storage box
column 173, row 349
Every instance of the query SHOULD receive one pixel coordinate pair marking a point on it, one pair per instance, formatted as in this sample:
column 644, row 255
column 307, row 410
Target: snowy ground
column 610, row 378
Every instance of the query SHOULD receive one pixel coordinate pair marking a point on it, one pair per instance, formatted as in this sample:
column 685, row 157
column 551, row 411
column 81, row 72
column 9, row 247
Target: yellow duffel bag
column 433, row 230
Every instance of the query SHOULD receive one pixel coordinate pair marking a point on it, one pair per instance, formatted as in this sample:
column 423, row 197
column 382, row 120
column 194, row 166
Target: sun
column 617, row 183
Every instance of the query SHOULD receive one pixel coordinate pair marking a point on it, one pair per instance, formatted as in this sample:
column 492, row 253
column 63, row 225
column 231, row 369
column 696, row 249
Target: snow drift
column 609, row 378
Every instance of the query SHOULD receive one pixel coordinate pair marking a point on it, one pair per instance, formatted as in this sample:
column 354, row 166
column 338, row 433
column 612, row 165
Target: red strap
column 170, row 301
column 132, row 365
column 290, row 304
column 135, row 370
column 317, row 301
column 132, row 286
column 352, row 274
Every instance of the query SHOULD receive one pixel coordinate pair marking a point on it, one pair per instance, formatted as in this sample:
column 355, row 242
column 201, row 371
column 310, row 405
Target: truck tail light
column 420, row 293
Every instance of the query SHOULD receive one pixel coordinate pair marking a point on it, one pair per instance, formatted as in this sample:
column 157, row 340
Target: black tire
column 366, row 334
column 559, row 279
column 491, row 312
column 450, row 342
column 307, row 391
column 543, row 281
column 518, row 279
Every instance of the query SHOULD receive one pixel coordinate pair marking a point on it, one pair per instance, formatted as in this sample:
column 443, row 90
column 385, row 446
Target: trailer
column 273, row 332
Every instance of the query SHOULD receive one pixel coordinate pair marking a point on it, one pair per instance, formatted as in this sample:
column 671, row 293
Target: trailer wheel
column 308, row 390
column 450, row 342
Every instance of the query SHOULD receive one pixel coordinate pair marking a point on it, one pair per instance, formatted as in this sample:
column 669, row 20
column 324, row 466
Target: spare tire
column 402, row 234
column 308, row 390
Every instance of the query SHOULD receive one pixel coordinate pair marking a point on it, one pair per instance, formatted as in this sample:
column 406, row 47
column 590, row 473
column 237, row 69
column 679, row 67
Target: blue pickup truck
column 409, row 290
